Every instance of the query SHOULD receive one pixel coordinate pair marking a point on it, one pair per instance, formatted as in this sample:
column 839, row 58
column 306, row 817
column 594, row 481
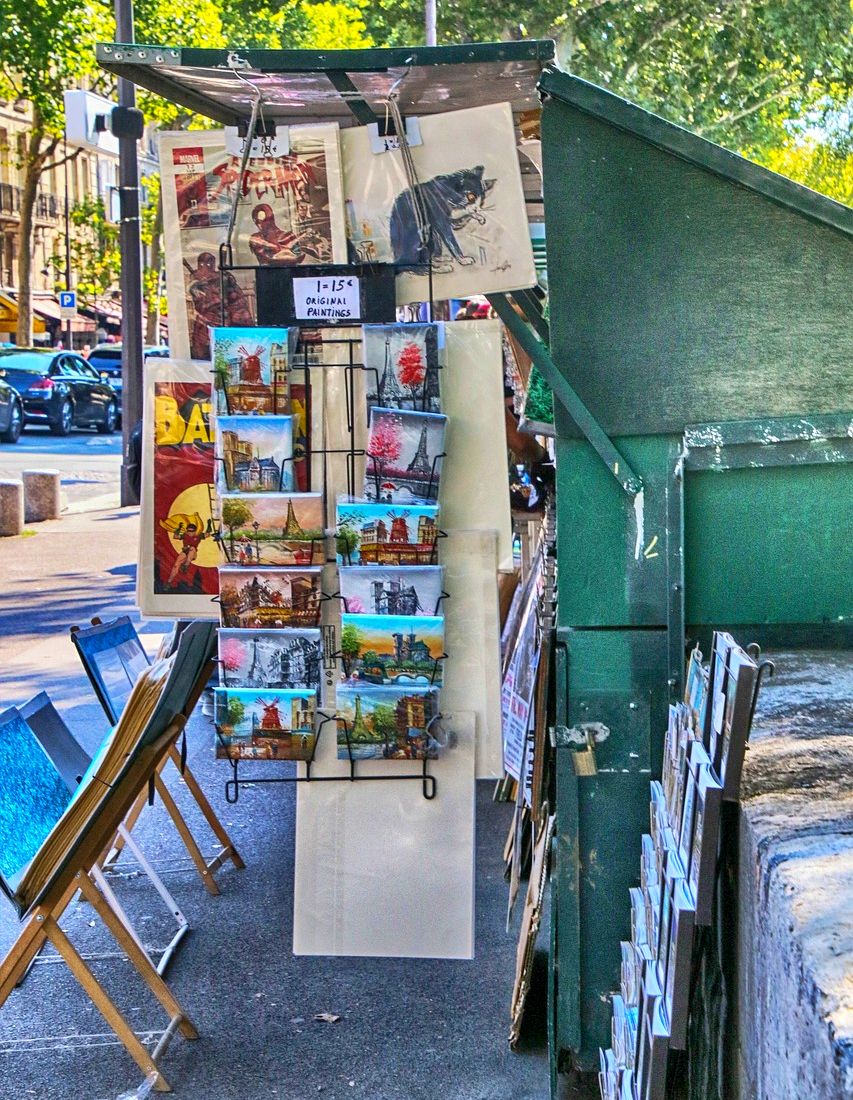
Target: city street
column 90, row 464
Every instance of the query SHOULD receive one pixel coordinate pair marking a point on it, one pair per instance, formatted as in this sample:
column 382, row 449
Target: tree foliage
column 94, row 248
column 730, row 71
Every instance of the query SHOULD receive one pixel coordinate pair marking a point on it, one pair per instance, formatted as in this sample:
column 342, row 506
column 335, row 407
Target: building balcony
column 49, row 207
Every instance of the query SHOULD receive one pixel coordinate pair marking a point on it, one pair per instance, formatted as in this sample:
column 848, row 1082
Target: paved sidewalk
column 408, row 1029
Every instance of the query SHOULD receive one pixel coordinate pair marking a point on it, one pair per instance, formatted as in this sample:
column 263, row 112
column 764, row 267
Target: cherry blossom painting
column 404, row 452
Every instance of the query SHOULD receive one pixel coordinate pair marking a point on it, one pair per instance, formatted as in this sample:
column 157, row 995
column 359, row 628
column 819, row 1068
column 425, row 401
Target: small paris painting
column 387, row 723
column 404, row 453
column 264, row 724
column 401, row 363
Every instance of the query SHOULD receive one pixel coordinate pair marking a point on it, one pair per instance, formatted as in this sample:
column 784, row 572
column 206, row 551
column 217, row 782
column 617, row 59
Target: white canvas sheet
column 381, row 871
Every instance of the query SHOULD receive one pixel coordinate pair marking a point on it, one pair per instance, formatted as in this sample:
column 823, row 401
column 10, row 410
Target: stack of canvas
column 703, row 757
column 273, row 539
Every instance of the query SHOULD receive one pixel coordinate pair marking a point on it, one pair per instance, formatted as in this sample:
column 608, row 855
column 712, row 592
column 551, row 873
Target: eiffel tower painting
column 292, row 528
column 421, row 463
column 390, row 392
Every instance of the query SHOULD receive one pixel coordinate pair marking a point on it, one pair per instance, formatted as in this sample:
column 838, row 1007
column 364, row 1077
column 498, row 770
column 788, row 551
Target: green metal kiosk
column 699, row 349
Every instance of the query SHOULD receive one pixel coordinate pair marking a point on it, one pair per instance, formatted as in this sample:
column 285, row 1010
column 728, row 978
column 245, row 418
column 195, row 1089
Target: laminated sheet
column 381, row 871
column 474, row 483
column 472, row 674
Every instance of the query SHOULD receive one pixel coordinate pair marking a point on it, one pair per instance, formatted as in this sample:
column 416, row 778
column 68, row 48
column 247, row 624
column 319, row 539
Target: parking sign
column 68, row 303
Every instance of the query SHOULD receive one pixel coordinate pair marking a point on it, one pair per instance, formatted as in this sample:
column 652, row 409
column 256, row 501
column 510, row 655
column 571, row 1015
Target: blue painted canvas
column 33, row 796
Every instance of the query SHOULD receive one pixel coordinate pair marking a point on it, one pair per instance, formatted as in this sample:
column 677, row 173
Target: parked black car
column 59, row 389
column 11, row 413
column 107, row 361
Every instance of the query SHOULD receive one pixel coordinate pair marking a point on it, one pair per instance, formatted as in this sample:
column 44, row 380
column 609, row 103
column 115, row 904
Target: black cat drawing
column 450, row 202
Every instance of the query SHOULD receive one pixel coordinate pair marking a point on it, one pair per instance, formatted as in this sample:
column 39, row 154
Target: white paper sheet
column 381, row 871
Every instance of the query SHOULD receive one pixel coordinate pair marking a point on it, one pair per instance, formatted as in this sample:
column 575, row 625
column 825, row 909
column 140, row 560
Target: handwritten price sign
column 331, row 298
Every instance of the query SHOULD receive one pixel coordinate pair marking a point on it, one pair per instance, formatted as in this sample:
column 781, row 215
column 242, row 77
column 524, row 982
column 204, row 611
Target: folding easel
column 71, row 761
column 41, row 923
column 99, row 638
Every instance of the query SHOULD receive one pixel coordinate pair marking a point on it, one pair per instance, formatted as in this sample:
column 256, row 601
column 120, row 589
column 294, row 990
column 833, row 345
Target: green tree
column 47, row 47
column 350, row 646
column 385, row 724
column 346, row 541
column 236, row 711
column 95, row 254
column 731, row 72
column 234, row 514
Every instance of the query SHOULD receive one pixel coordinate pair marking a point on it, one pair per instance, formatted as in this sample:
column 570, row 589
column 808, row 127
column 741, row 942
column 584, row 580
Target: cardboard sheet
column 381, row 871
column 472, row 674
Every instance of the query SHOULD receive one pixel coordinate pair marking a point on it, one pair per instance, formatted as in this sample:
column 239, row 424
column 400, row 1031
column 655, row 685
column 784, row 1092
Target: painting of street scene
column 401, row 365
column 250, row 368
column 404, row 451
column 374, row 534
column 393, row 649
column 270, row 658
column 254, row 454
column 269, row 598
column 273, row 529
column 377, row 590
column 264, row 724
column 386, row 723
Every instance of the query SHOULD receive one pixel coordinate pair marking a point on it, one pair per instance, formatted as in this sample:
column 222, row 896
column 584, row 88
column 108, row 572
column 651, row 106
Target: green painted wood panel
column 769, row 545
column 611, row 551
column 678, row 295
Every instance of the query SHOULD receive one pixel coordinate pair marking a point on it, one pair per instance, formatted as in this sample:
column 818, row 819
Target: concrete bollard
column 11, row 508
column 41, row 495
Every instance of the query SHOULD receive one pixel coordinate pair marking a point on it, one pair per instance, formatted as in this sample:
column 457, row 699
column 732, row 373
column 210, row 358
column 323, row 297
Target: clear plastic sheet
column 178, row 555
column 474, row 486
column 380, row 870
column 290, row 212
column 470, row 182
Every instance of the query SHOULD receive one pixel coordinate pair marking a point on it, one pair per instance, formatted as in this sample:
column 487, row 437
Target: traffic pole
column 130, row 244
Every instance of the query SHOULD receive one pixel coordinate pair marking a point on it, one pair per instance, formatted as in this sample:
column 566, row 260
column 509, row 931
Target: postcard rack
column 429, row 784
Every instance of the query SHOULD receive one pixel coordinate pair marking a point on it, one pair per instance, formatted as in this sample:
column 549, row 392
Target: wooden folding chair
column 23, row 809
column 72, row 761
column 113, row 657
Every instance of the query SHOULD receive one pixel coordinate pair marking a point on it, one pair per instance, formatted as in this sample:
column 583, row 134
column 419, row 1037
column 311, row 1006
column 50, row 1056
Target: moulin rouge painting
column 376, row 534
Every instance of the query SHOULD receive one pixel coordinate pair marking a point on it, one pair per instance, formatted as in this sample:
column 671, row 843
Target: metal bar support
column 595, row 435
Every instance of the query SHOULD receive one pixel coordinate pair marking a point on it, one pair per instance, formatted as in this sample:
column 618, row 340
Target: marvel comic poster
column 179, row 551
column 289, row 212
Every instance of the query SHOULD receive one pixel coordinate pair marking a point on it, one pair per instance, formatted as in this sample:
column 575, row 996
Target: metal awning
column 346, row 86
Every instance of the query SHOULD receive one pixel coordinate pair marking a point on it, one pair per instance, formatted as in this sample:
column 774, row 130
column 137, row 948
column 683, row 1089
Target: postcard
column 273, row 529
column 378, row 590
column 404, row 452
column 269, row 598
column 374, row 534
column 254, row 454
column 401, row 364
column 386, row 723
column 250, row 369
column 270, row 658
column 264, row 724
column 393, row 649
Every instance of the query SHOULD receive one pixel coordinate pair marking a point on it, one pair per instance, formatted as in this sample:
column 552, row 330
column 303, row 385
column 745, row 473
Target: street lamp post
column 131, row 265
